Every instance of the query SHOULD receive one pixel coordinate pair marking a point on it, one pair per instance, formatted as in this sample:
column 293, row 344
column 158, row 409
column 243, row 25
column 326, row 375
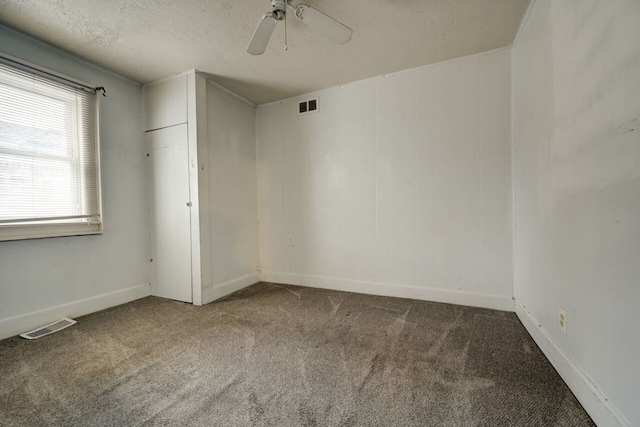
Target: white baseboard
column 388, row 290
column 26, row 322
column 226, row 288
column 594, row 402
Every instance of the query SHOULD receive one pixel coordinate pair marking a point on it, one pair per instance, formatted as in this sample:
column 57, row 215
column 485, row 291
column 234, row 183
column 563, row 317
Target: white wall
column 576, row 139
column 108, row 269
column 232, row 194
column 400, row 185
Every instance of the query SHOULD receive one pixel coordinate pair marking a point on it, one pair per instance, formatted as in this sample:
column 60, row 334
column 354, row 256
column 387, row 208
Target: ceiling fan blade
column 336, row 31
column 261, row 37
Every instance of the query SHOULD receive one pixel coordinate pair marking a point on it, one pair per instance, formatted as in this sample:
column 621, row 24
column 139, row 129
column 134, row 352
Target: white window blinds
column 49, row 156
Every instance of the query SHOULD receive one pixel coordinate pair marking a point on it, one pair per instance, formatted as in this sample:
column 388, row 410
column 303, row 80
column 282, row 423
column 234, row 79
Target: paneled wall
column 231, row 193
column 576, row 112
column 398, row 185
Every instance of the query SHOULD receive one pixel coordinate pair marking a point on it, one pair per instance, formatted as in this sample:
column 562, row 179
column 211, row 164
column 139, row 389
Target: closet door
column 169, row 205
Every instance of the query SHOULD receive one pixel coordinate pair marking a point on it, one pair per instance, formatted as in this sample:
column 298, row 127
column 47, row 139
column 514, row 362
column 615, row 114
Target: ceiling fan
column 328, row 26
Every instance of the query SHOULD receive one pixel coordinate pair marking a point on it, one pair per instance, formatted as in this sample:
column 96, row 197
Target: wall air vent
column 49, row 329
column 306, row 107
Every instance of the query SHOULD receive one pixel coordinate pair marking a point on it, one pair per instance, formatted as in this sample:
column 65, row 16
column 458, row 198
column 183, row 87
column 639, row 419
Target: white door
column 168, row 176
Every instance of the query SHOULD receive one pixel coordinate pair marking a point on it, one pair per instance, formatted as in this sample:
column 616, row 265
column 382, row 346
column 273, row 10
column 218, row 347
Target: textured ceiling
column 146, row 40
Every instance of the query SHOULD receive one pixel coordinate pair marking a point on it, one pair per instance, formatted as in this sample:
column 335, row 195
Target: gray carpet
column 285, row 356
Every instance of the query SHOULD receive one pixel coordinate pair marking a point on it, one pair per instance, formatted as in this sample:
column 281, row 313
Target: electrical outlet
column 290, row 241
column 562, row 319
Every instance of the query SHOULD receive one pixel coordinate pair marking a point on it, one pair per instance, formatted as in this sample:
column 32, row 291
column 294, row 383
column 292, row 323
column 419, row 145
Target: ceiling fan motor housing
column 279, row 9
column 326, row 25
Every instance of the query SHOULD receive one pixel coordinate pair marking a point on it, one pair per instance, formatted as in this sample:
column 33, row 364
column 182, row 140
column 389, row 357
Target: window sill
column 49, row 230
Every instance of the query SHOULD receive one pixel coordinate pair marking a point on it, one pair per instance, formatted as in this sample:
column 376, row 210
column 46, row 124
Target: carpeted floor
column 285, row 356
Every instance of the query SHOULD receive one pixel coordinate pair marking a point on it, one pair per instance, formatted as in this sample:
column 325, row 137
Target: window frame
column 39, row 230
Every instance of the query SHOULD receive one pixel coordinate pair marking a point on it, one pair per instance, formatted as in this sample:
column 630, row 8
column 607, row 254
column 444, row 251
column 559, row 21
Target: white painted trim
column 229, row 91
column 44, row 231
column 198, row 130
column 26, row 322
column 47, row 71
column 384, row 289
column 227, row 288
column 70, row 55
column 523, row 23
column 169, row 78
column 195, row 156
column 512, row 148
column 382, row 76
column 592, row 399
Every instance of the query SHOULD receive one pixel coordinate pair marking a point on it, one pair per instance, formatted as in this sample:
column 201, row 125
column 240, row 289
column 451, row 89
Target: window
column 49, row 155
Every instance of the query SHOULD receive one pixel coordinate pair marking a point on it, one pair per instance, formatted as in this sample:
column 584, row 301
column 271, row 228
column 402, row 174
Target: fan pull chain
column 286, row 46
